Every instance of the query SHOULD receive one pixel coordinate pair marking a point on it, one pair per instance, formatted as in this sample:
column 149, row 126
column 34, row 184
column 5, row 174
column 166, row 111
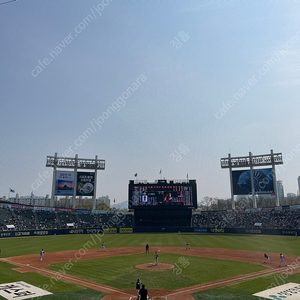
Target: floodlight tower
column 250, row 162
column 75, row 164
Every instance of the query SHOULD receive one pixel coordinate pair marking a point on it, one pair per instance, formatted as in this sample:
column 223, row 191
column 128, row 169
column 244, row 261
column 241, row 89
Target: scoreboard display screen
column 163, row 193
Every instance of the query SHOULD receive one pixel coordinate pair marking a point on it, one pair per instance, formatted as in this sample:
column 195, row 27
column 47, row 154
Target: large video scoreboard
column 163, row 193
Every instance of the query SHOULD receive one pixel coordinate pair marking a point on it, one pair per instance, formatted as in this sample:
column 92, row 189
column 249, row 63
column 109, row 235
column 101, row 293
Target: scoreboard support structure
column 74, row 164
column 250, row 162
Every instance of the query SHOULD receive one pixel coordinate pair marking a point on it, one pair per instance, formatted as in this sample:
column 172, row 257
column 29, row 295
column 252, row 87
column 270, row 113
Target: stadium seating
column 270, row 218
column 25, row 219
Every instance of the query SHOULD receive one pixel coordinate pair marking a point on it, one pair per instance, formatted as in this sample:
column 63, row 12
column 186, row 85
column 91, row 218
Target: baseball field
column 218, row 266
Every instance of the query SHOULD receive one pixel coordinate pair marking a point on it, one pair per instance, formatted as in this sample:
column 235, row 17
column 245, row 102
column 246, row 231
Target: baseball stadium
column 160, row 239
column 136, row 150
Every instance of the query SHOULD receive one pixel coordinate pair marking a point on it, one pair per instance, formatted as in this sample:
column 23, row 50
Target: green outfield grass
column 60, row 290
column 125, row 272
column 31, row 245
column 246, row 289
column 120, row 271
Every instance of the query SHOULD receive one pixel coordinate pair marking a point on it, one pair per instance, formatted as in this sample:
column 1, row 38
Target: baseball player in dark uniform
column 267, row 258
column 147, row 248
column 156, row 258
column 138, row 287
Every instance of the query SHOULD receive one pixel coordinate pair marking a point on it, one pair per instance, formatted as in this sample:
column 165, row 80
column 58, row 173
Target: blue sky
column 194, row 57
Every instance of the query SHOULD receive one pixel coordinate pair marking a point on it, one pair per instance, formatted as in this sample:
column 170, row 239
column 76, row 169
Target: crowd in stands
column 41, row 219
column 26, row 219
column 263, row 218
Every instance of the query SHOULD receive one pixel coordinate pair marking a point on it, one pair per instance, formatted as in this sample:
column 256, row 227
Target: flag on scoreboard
column 12, row 191
column 135, row 175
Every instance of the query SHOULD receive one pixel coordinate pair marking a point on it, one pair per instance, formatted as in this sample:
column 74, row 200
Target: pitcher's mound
column 152, row 266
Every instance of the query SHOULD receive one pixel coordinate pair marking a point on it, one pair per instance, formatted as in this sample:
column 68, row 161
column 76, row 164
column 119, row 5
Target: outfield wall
column 217, row 230
column 5, row 234
column 248, row 231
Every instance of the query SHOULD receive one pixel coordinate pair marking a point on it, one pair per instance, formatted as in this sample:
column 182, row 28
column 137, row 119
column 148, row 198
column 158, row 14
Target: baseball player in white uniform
column 42, row 254
column 282, row 260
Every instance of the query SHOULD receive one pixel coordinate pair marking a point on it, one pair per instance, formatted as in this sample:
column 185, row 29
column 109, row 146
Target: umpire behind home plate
column 143, row 293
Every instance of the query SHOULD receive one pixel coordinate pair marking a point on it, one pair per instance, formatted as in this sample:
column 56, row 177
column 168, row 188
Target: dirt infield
column 154, row 267
column 32, row 263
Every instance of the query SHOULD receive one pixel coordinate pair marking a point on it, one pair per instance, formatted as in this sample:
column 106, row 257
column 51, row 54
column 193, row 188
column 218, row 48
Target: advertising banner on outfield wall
column 10, row 233
column 262, row 179
column 126, row 230
column 110, row 230
column 44, row 208
column 17, row 206
column 85, row 184
column 64, row 209
column 64, row 185
column 202, row 230
column 83, row 211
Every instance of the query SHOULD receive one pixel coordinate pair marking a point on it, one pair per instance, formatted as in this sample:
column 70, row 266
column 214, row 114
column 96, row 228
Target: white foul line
column 222, row 282
column 242, row 277
column 42, row 270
